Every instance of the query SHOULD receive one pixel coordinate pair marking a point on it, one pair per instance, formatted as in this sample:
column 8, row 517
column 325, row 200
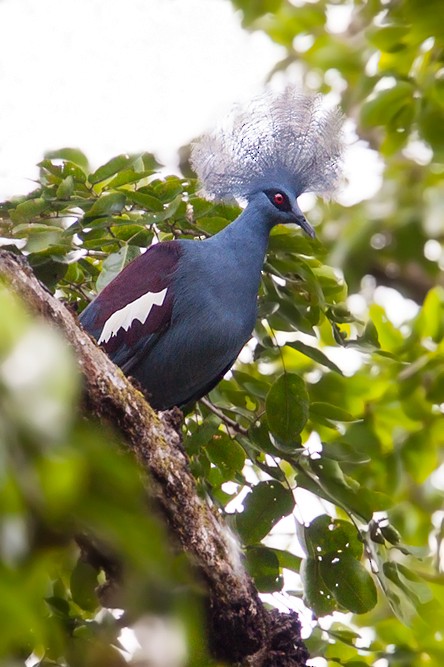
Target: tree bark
column 241, row 629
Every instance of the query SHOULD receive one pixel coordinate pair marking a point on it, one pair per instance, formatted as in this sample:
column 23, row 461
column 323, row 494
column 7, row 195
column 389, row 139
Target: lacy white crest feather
column 286, row 138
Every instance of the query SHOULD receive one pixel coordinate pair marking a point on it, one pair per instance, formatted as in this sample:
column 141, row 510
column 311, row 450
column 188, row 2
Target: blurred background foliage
column 329, row 428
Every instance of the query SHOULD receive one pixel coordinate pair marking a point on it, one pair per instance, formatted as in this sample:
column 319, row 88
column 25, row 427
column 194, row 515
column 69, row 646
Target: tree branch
column 229, row 423
column 241, row 628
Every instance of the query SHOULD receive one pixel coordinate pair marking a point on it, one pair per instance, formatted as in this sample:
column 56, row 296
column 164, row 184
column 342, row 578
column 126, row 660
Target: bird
column 176, row 318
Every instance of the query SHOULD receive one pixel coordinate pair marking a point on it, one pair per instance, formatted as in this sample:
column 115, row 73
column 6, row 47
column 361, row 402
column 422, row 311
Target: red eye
column 278, row 199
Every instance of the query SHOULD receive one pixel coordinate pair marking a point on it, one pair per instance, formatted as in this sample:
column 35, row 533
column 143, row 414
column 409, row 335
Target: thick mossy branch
column 241, row 629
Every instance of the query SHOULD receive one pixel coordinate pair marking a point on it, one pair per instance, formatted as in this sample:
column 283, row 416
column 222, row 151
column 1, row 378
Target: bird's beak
column 302, row 221
column 305, row 225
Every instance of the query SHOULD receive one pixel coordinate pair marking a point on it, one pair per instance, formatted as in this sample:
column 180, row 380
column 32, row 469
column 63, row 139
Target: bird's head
column 281, row 208
column 271, row 151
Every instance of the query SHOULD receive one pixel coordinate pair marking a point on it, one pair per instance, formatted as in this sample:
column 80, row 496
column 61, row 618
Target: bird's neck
column 246, row 238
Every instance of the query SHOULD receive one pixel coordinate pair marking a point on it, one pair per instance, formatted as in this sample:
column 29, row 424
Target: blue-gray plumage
column 177, row 317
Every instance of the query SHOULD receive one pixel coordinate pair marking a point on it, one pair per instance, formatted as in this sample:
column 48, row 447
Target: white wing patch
column 139, row 309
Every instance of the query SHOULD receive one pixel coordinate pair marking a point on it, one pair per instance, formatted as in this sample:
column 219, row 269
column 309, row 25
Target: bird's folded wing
column 130, row 313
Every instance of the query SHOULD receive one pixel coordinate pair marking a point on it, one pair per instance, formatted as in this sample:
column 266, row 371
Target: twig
column 230, row 423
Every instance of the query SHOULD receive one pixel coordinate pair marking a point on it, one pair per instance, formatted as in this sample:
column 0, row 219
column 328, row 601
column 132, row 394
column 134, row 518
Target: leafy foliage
column 384, row 61
column 293, row 416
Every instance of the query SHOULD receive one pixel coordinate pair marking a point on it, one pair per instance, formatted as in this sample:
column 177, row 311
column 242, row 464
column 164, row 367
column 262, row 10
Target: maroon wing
column 135, row 308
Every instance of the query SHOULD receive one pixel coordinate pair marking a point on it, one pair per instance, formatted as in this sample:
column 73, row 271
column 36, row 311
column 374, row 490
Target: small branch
column 230, row 423
column 241, row 628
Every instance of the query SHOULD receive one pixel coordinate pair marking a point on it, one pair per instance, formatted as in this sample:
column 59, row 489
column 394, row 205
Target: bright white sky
column 117, row 76
column 112, row 76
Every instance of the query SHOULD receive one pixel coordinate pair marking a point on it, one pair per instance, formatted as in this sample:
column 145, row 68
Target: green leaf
column 260, row 439
column 314, row 354
column 170, row 188
column 113, row 166
column 316, row 593
column 344, row 633
column 252, row 385
column 201, row 435
column 332, row 412
column 370, row 335
column 127, row 176
column 390, row 534
column 58, row 605
column 83, row 584
column 211, row 225
column 59, row 172
column 325, row 535
column 345, row 491
column 114, row 263
column 172, row 209
column 226, row 454
column 27, row 230
column 150, row 162
column 341, row 451
column 66, row 188
column 283, row 240
column 408, row 583
column 29, row 209
column 430, row 320
column 287, row 408
column 146, row 200
column 349, row 582
column 288, row 560
column 263, row 565
column 74, row 155
column 430, row 120
column 312, row 281
column 44, row 239
column 387, row 104
column 290, row 317
column 267, row 503
column 108, row 204
column 389, row 38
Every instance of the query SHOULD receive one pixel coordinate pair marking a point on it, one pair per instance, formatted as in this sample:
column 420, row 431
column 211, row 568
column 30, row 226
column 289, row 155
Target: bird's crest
column 287, row 138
